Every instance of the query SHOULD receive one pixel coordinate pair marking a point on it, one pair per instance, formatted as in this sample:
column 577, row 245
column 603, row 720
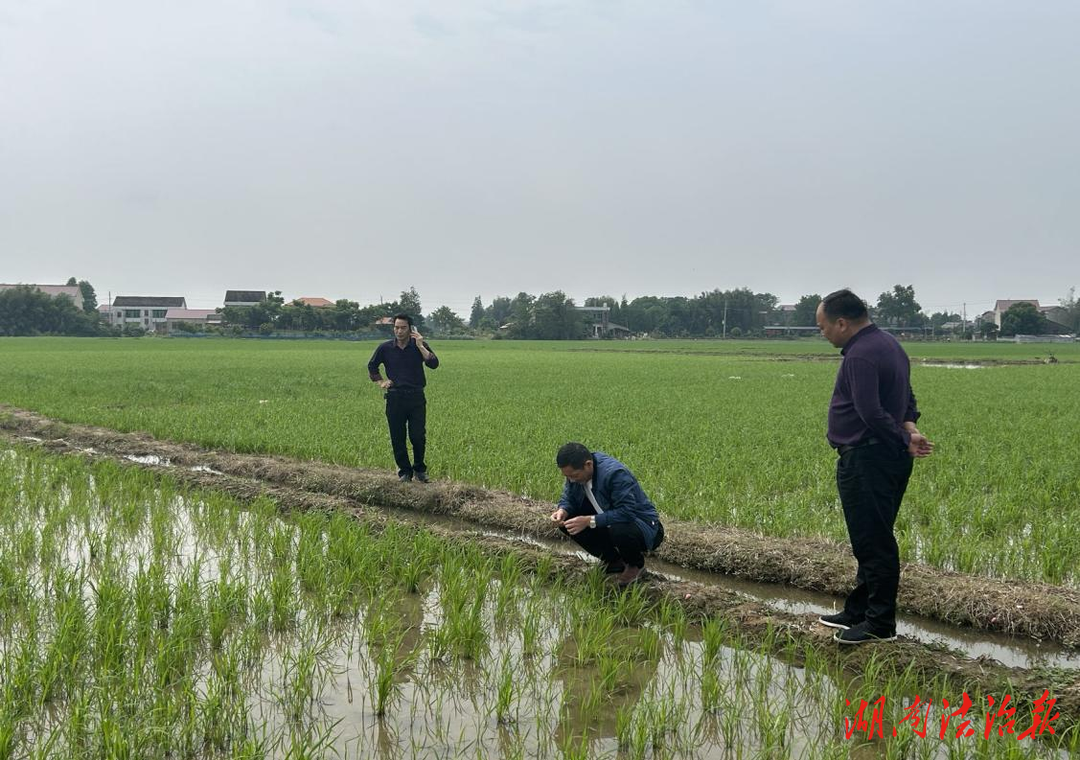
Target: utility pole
column 725, row 318
column 963, row 323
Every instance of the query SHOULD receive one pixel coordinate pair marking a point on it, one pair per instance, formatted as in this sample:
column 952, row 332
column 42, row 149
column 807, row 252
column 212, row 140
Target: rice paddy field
column 143, row 617
column 726, row 433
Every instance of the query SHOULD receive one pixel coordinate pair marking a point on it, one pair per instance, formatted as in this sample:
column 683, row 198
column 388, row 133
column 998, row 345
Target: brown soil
column 298, row 485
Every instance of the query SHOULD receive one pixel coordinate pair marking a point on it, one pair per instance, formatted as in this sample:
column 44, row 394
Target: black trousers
column 618, row 544
column 871, row 481
column 406, row 413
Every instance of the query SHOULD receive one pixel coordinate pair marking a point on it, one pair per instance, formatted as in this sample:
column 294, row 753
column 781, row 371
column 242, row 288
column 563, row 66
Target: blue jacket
column 618, row 494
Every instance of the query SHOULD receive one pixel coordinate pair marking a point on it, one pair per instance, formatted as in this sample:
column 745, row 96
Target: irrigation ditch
column 502, row 523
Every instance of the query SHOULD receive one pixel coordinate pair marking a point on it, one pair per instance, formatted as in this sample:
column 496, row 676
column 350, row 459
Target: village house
column 200, row 317
column 148, row 312
column 317, row 303
column 1056, row 315
column 71, row 291
column 244, row 297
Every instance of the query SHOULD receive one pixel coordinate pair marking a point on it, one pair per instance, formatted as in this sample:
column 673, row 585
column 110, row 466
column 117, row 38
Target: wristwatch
column 592, row 521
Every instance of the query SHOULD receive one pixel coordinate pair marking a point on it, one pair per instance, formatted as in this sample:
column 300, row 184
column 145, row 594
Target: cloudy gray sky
column 354, row 148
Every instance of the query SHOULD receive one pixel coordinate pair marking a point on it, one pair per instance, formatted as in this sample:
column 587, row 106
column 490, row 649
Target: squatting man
column 606, row 512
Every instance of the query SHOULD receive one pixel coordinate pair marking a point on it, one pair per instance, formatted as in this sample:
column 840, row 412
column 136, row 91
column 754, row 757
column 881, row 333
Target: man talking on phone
column 406, row 407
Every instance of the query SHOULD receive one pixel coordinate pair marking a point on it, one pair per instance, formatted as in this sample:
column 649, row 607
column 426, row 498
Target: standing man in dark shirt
column 406, row 407
column 872, row 419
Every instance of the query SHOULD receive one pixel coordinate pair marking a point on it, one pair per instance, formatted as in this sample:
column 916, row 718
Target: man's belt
column 841, row 450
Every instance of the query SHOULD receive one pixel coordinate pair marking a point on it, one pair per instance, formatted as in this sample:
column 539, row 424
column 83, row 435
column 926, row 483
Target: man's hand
column 920, row 446
column 577, row 524
column 559, row 515
column 385, row 384
column 418, row 339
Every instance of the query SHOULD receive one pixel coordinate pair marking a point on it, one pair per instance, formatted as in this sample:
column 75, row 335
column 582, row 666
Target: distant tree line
column 25, row 310
column 345, row 316
column 740, row 312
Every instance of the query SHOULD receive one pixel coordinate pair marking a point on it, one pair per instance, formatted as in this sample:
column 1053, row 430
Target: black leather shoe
column 405, row 477
column 421, row 475
column 840, row 620
column 861, row 633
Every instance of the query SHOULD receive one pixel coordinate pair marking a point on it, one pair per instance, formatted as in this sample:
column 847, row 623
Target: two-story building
column 1055, row 315
column 148, row 312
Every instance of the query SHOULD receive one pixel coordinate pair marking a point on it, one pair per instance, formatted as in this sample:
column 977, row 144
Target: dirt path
column 305, row 485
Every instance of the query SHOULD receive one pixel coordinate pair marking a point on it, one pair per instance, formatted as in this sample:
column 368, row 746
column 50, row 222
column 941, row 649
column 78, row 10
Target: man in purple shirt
column 406, row 407
column 872, row 419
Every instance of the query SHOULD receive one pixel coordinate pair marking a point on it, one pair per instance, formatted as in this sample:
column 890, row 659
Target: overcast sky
column 348, row 148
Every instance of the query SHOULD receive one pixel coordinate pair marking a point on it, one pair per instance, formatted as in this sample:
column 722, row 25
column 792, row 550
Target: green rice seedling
column 711, row 690
column 219, row 617
column 110, row 629
column 713, row 635
column 262, row 608
column 310, row 742
column 591, row 632
column 1072, row 740
column 63, row 663
column 624, row 724
column 665, row 717
column 384, row 683
column 639, row 734
column 303, row 678
column 530, row 630
column 282, row 597
column 26, row 548
column 902, row 746
column 543, row 573
column 281, row 545
column 310, row 563
column 508, row 588
column 773, row 731
column 730, row 726
column 650, row 644
column 632, row 607
column 379, row 624
column 763, row 675
column 438, row 644
column 470, row 631
column 510, row 569
column 676, row 623
column 574, row 747
column 505, row 692
column 412, row 574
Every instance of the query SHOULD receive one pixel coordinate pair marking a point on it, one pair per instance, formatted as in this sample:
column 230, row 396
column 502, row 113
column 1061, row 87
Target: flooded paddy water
column 141, row 618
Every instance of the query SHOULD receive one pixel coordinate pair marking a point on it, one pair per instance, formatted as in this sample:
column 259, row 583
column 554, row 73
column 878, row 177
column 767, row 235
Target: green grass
column 730, row 433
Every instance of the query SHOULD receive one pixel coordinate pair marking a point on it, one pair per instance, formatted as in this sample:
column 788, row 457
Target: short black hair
column 406, row 317
column 844, row 303
column 573, row 454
